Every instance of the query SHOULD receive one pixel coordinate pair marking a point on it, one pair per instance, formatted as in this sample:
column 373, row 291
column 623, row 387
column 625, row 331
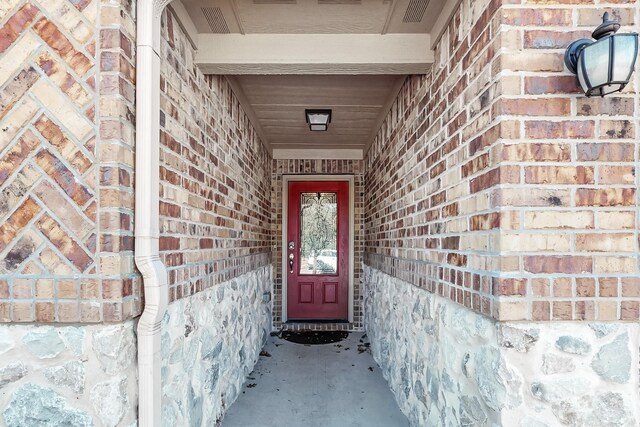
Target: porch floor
column 329, row 385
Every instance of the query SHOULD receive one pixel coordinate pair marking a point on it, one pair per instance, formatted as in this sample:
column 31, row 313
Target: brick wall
column 569, row 216
column 215, row 209
column 121, row 296
column 427, row 218
column 317, row 167
column 65, row 244
column 494, row 183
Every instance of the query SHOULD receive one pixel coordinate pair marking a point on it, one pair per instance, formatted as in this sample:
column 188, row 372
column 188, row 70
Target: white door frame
column 286, row 179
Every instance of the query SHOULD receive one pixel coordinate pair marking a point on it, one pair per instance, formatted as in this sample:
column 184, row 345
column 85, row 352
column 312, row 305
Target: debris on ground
column 363, row 347
column 371, row 368
column 265, row 353
column 252, row 385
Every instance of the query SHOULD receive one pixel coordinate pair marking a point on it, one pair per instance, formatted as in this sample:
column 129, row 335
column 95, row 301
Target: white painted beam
column 317, row 154
column 314, row 53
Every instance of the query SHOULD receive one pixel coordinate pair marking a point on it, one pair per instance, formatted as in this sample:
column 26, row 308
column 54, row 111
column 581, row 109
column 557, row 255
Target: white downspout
column 147, row 187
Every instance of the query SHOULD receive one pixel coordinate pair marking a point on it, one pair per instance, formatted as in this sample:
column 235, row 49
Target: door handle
column 291, row 263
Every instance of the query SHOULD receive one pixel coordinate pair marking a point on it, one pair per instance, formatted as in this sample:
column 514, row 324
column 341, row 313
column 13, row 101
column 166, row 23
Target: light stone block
column 58, row 376
column 210, row 342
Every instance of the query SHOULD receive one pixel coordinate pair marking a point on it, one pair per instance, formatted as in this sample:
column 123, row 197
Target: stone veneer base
column 72, row 376
column 449, row 366
column 210, row 342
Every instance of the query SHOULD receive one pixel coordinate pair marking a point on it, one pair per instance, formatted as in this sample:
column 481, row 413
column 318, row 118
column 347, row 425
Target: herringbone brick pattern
column 48, row 168
column 47, row 172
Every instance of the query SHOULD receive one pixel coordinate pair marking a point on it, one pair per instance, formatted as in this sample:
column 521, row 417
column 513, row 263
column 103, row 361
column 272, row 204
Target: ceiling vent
column 415, row 11
column 216, row 20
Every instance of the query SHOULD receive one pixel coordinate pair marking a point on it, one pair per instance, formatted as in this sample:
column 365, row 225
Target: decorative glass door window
column 318, row 233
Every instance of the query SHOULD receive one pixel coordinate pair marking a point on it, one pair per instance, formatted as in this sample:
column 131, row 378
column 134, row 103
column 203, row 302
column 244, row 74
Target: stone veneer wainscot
column 450, row 366
column 75, row 376
column 210, row 342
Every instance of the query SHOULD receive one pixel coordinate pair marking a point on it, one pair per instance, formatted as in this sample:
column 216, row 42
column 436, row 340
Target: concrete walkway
column 330, row 385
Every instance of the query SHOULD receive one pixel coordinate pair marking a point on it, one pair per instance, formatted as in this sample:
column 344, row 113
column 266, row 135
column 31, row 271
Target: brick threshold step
column 318, row 326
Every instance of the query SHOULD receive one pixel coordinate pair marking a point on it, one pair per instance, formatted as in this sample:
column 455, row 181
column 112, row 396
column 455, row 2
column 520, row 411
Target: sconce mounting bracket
column 573, row 52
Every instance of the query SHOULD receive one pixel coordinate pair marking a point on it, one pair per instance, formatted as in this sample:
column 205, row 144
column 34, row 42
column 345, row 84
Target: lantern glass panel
column 625, row 48
column 593, row 64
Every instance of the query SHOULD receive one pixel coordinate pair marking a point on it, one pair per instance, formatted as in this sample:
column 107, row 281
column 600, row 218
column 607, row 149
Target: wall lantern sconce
column 605, row 65
column 318, row 120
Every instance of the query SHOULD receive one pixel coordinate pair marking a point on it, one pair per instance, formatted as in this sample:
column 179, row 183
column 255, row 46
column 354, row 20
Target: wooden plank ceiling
column 279, row 103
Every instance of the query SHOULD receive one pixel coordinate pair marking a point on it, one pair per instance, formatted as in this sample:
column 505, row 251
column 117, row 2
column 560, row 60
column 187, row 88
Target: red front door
column 317, row 251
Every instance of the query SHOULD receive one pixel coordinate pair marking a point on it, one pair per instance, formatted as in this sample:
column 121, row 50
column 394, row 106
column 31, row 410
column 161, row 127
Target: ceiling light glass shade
column 606, row 66
column 318, row 120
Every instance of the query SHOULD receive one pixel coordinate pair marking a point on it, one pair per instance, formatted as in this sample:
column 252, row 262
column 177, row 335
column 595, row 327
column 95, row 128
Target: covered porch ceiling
column 283, row 56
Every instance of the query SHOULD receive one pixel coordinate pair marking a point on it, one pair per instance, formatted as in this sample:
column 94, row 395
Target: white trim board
column 185, row 22
column 393, row 96
column 448, row 10
column 286, row 179
column 249, row 111
column 317, row 154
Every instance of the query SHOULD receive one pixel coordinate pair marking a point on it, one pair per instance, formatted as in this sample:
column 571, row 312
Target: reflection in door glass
column 318, row 233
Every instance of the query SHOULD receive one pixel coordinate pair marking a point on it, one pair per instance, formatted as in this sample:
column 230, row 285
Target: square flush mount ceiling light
column 318, row 119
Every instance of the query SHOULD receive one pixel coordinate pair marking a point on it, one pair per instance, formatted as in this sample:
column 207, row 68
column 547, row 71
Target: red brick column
column 66, row 153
